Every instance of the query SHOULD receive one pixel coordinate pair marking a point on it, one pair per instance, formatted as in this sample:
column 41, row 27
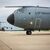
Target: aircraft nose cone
column 10, row 19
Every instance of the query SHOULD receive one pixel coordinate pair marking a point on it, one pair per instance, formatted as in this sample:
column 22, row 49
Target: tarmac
column 10, row 40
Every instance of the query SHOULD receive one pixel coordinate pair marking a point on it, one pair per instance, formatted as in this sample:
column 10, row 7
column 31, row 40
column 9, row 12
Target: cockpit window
column 21, row 10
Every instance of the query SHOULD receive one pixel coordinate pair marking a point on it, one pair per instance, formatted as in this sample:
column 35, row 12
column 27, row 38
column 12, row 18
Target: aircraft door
column 37, row 23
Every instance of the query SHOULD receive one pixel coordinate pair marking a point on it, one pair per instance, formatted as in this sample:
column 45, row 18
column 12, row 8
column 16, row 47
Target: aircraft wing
column 24, row 6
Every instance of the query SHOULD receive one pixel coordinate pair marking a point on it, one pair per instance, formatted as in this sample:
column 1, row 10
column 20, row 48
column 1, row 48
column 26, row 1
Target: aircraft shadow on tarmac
column 30, row 35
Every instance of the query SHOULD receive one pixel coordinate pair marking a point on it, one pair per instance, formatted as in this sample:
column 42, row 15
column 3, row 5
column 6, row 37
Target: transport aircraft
column 30, row 18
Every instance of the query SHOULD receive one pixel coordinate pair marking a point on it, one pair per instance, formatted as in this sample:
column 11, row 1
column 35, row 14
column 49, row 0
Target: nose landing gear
column 28, row 32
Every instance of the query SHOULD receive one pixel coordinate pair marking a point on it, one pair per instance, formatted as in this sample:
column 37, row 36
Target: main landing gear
column 28, row 32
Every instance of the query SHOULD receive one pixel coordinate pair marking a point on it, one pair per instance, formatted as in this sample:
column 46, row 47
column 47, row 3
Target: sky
column 25, row 2
column 5, row 12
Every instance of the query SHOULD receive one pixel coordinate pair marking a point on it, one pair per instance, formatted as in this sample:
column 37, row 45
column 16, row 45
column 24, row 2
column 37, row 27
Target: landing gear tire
column 28, row 32
column 39, row 30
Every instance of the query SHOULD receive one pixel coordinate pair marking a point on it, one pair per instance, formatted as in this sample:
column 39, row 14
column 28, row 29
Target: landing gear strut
column 28, row 32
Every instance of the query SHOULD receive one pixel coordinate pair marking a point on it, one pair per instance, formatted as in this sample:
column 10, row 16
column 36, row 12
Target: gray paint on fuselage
column 23, row 18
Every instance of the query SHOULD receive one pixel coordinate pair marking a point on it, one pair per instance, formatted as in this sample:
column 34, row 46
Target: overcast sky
column 25, row 2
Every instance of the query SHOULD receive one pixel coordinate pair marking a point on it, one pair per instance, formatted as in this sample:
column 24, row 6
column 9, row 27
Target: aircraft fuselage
column 32, row 18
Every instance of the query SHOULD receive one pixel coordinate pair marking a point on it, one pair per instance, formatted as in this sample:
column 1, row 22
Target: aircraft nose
column 10, row 19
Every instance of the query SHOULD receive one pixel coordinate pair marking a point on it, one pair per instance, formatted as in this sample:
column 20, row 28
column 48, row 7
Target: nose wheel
column 28, row 32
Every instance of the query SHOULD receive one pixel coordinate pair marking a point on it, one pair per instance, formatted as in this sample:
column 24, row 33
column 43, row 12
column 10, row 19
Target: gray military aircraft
column 31, row 18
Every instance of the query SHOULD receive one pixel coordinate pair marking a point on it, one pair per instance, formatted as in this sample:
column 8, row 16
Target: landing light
column 31, row 22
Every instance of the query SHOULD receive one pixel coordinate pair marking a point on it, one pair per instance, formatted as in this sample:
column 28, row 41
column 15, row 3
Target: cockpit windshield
column 21, row 10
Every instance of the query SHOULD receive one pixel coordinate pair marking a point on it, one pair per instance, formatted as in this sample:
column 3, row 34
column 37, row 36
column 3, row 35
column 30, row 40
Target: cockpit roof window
column 21, row 10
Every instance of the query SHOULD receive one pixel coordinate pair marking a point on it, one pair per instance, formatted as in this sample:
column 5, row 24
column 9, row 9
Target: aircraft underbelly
column 38, row 23
column 35, row 23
